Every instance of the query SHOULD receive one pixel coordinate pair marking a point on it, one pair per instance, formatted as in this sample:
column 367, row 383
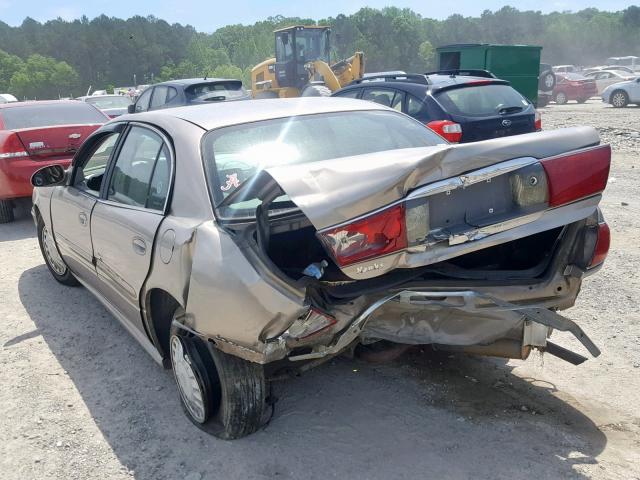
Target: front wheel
column 619, row 99
column 52, row 257
column 221, row 394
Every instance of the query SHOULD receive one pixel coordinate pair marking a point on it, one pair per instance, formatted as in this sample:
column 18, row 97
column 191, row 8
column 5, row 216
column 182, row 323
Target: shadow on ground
column 424, row 415
column 22, row 227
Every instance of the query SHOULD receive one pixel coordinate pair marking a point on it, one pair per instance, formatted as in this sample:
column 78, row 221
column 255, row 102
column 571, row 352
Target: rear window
column 116, row 101
column 50, row 115
column 481, row 100
column 215, row 91
column 233, row 155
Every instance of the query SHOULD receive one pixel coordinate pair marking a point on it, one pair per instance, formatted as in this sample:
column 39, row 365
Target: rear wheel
column 52, row 257
column 316, row 91
column 6, row 211
column 221, row 394
column 561, row 98
column 619, row 99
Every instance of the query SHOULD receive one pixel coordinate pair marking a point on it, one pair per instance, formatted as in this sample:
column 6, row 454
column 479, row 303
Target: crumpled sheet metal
column 421, row 325
column 334, row 191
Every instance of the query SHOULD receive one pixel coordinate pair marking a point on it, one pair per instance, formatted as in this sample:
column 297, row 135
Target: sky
column 208, row 15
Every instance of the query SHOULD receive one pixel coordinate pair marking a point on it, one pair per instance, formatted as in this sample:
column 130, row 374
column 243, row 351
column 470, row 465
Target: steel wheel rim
column 561, row 98
column 51, row 253
column 548, row 81
column 188, row 384
column 618, row 99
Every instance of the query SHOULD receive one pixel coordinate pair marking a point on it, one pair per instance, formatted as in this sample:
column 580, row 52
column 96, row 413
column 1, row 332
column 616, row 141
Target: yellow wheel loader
column 301, row 66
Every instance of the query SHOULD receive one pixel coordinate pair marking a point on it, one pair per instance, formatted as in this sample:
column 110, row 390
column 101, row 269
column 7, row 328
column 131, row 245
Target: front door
column 71, row 206
column 125, row 220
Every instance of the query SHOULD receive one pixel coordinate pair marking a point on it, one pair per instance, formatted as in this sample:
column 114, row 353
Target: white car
column 622, row 94
column 7, row 98
column 605, row 78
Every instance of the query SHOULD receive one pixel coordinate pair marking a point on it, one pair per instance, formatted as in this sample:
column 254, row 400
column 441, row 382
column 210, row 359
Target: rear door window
column 482, row 100
column 50, row 115
column 142, row 105
column 159, row 97
column 384, row 96
column 131, row 179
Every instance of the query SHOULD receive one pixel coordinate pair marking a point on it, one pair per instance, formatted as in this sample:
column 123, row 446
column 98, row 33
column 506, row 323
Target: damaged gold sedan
column 237, row 242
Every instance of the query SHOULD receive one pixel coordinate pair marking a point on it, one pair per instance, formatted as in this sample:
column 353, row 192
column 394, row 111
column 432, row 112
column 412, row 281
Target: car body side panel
column 334, row 191
column 229, row 300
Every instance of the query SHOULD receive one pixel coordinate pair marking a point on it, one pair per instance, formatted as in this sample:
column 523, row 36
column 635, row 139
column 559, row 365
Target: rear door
column 125, row 219
column 487, row 111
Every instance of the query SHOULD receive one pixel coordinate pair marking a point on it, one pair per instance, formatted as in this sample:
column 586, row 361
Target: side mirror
column 50, row 176
column 131, row 108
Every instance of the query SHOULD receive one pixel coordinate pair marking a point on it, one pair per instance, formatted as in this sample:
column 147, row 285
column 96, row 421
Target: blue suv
column 459, row 105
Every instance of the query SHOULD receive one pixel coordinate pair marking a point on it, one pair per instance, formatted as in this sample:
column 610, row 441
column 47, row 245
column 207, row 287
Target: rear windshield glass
column 50, row 114
column 115, row 101
column 233, row 155
column 482, row 100
column 214, row 91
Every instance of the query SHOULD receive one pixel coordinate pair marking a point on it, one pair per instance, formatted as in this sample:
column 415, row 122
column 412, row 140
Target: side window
column 415, row 107
column 131, row 177
column 349, row 93
column 381, row 96
column 142, row 105
column 89, row 176
column 159, row 97
column 396, row 103
column 160, row 181
column 171, row 94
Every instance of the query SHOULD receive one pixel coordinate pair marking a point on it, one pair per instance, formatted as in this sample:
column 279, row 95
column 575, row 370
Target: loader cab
column 296, row 46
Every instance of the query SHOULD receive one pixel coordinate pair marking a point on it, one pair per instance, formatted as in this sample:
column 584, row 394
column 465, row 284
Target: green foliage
column 59, row 57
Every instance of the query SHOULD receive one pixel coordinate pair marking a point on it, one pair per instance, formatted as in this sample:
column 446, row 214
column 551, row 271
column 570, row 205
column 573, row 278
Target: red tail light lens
column 577, row 175
column 447, row 129
column 538, row 121
column 11, row 146
column 373, row 236
column 602, row 245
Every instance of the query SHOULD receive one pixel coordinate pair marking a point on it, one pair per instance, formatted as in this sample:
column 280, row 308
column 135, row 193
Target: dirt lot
column 81, row 400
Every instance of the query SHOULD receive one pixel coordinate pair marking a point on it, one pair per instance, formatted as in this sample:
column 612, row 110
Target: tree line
column 62, row 58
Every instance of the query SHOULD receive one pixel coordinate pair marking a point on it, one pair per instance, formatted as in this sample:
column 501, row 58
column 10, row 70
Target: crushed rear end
column 473, row 247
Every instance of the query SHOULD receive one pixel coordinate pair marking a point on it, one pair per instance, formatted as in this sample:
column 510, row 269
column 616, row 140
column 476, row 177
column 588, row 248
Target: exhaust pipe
column 504, row 348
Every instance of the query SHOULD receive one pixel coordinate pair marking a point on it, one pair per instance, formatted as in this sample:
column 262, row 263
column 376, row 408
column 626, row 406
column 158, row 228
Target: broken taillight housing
column 372, row 236
column 314, row 322
column 603, row 243
column 577, row 175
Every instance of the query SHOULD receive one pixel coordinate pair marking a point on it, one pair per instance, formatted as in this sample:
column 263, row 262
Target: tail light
column 11, row 146
column 602, row 245
column 537, row 122
column 314, row 322
column 378, row 234
column 447, row 129
column 577, row 175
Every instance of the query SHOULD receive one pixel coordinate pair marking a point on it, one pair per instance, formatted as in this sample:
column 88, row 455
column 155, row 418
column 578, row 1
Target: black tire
column 543, row 101
column 619, row 99
column 6, row 211
column 59, row 270
column 315, row 91
column 561, row 98
column 233, row 390
column 266, row 94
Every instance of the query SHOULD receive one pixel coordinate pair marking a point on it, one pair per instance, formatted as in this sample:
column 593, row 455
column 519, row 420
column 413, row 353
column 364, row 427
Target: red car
column 36, row 134
column 573, row 86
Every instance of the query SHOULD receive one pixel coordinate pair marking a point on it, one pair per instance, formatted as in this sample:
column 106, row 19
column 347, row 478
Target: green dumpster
column 518, row 64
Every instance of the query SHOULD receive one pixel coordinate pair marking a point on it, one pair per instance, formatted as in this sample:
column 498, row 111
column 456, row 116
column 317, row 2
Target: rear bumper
column 15, row 175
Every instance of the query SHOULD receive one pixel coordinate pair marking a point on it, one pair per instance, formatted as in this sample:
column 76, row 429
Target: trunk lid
column 475, row 129
column 52, row 142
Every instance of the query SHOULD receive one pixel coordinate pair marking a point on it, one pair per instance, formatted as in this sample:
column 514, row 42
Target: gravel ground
column 81, row 400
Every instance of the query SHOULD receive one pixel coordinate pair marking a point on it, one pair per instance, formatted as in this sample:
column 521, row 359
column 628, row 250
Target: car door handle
column 139, row 246
column 82, row 218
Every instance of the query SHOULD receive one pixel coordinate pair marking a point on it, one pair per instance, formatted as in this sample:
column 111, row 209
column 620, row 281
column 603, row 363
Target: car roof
column 192, row 81
column 435, row 82
column 210, row 116
column 37, row 102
